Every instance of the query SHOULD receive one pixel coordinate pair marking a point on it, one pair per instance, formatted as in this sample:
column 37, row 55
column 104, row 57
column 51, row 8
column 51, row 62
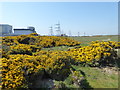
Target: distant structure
column 84, row 33
column 51, row 31
column 58, row 29
column 78, row 34
column 29, row 30
column 5, row 29
column 70, row 33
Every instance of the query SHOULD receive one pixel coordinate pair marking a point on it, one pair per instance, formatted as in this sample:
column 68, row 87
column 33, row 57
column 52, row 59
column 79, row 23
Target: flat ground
column 100, row 78
column 87, row 39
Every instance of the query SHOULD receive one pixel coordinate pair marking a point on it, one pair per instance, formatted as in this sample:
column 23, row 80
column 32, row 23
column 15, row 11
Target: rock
column 70, row 48
column 45, row 83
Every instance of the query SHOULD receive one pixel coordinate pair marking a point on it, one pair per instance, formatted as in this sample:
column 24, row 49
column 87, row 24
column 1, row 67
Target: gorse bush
column 98, row 53
column 20, row 49
column 23, row 60
column 17, row 69
column 27, row 44
column 42, row 41
column 57, row 64
column 23, row 49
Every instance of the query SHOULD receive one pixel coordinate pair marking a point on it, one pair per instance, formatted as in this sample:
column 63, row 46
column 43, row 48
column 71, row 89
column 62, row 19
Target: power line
column 62, row 32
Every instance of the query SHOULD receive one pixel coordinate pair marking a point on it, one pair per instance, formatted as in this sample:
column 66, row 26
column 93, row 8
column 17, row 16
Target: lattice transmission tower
column 58, row 29
column 51, row 31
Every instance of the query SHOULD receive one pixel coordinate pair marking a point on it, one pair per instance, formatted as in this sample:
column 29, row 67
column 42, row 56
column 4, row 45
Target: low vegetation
column 62, row 60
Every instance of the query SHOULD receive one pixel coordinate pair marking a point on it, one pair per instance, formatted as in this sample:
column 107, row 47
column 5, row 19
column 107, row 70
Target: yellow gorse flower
column 28, row 59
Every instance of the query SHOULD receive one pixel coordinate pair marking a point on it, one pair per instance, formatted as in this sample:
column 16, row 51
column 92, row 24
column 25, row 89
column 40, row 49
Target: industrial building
column 5, row 29
column 29, row 30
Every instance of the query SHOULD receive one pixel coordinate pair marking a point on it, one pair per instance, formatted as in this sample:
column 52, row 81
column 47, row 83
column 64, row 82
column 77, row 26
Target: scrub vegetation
column 33, row 61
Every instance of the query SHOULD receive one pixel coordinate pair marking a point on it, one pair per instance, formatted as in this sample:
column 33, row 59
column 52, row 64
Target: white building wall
column 5, row 29
column 22, row 32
